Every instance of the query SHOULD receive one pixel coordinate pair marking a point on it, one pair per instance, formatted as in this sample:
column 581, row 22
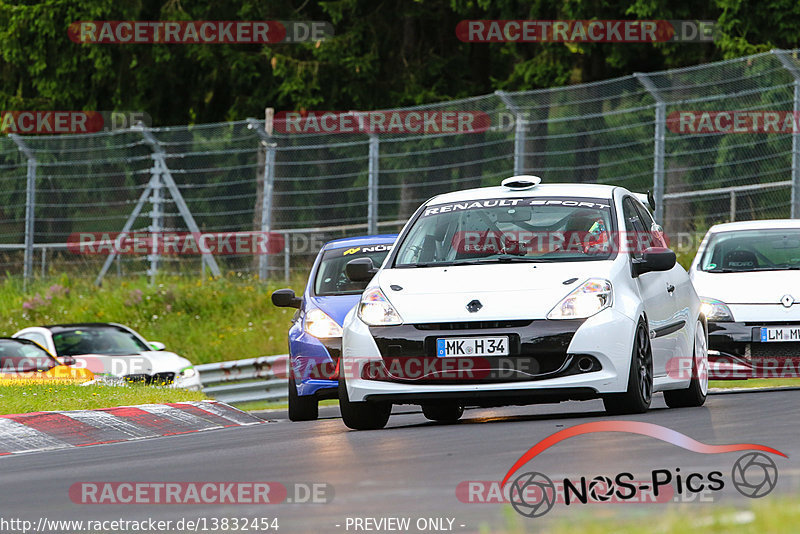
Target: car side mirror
column 654, row 259
column 157, row 345
column 68, row 360
column 360, row 269
column 285, row 298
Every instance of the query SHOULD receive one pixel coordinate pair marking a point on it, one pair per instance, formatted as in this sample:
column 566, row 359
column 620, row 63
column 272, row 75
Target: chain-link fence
column 310, row 187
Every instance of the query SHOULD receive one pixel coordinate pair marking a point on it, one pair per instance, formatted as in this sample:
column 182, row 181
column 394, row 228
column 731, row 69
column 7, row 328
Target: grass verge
column 24, row 398
column 754, row 383
column 205, row 321
column 773, row 515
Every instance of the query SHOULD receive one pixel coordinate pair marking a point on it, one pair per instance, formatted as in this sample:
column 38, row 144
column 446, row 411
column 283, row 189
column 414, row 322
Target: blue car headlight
column 319, row 324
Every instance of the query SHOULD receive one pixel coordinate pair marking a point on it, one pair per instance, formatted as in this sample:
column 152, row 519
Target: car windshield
column 21, row 357
column 97, row 340
column 753, row 250
column 539, row 229
column 331, row 278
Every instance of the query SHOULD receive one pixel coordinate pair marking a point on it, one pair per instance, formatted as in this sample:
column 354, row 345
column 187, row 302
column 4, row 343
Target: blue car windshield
column 331, row 278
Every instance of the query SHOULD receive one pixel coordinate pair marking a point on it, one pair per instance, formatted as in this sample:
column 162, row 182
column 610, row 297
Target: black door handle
column 670, row 288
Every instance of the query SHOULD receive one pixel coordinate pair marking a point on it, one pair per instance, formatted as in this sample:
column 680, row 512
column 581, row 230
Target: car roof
column 766, row 224
column 544, row 190
column 71, row 326
column 379, row 239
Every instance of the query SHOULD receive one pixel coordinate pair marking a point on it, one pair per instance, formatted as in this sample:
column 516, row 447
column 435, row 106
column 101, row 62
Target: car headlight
column 320, row 325
column 189, row 372
column 376, row 310
column 586, row 300
column 715, row 310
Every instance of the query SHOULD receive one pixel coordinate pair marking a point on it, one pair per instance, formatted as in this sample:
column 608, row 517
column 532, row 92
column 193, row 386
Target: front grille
column 774, row 350
column 163, row 378
column 472, row 325
column 536, row 348
column 158, row 379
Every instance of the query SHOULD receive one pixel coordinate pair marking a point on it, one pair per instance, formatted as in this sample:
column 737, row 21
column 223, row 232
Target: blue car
column 315, row 338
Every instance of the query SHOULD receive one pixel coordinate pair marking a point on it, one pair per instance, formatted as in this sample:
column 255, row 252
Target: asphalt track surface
column 411, row 468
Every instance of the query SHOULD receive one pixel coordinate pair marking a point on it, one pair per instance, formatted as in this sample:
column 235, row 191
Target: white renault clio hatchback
column 521, row 294
column 748, row 277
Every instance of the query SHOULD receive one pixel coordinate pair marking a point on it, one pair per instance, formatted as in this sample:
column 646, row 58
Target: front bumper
column 736, row 351
column 314, row 363
column 191, row 383
column 542, row 366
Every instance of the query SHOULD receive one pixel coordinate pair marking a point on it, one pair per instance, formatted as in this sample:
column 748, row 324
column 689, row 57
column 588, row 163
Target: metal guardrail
column 252, row 379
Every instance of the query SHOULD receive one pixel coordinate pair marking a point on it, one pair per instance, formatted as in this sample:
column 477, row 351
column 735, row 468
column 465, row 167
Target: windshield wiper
column 509, row 258
column 757, row 269
column 425, row 264
column 781, row 268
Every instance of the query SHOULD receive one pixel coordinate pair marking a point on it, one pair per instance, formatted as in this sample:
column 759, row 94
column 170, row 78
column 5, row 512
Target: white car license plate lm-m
column 780, row 333
column 472, row 346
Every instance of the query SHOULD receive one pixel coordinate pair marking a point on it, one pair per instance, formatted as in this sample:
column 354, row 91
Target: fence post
column 519, row 132
column 286, row 256
column 733, row 206
column 165, row 178
column 793, row 69
column 372, row 184
column 658, row 144
column 156, row 223
column 30, row 206
column 267, row 190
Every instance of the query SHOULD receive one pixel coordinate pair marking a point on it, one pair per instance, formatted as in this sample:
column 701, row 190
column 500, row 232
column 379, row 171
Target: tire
column 695, row 395
column 301, row 407
column 640, row 378
column 362, row 415
column 443, row 413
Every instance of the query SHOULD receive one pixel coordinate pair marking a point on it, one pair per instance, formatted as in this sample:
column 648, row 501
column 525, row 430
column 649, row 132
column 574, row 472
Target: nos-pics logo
column 533, row 494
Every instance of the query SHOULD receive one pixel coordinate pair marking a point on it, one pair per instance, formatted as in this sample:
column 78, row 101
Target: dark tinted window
column 109, row 340
column 634, row 226
column 753, row 250
column 33, row 336
column 656, row 233
column 331, row 278
column 21, row 356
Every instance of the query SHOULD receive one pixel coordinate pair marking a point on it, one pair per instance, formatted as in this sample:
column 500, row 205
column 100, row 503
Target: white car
column 114, row 350
column 748, row 277
column 521, row 294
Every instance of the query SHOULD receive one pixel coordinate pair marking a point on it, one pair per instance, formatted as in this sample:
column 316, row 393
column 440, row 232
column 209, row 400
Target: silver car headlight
column 187, row 372
column 715, row 310
column 591, row 297
column 376, row 310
